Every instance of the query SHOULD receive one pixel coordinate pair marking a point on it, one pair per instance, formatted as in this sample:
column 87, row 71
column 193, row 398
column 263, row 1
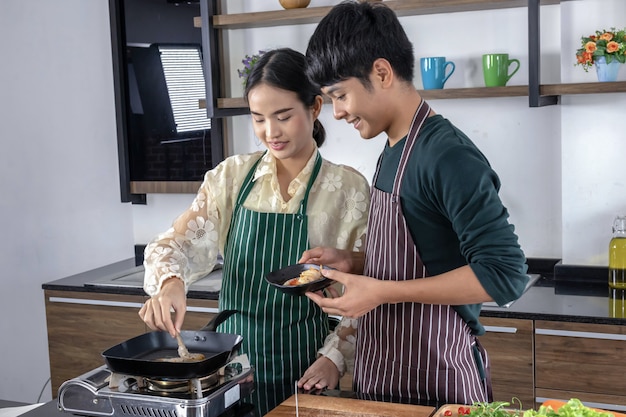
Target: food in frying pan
column 306, row 276
column 194, row 357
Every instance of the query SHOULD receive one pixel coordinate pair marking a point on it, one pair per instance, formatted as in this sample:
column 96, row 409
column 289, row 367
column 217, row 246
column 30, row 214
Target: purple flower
column 248, row 62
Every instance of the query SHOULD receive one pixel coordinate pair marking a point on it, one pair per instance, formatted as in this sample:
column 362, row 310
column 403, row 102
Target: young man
column 439, row 242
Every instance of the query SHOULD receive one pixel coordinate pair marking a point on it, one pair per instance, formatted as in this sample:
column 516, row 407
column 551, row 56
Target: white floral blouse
column 337, row 209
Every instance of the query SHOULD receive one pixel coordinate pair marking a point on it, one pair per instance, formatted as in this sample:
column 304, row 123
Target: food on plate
column 306, row 276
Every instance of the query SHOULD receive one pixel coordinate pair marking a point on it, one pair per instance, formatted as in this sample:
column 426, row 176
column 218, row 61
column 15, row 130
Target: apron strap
column 316, row 170
column 248, row 183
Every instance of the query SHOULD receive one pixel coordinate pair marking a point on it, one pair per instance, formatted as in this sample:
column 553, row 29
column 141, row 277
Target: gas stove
column 101, row 392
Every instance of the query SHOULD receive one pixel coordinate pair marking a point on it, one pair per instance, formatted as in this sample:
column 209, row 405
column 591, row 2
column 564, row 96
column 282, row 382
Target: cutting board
column 317, row 405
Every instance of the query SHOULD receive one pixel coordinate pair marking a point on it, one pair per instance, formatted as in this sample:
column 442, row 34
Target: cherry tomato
column 463, row 411
column 447, row 413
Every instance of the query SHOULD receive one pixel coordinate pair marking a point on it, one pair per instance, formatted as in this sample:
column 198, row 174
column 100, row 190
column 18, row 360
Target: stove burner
column 170, row 386
column 102, row 393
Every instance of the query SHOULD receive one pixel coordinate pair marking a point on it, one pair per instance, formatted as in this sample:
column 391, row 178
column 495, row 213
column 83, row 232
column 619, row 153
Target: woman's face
column 282, row 122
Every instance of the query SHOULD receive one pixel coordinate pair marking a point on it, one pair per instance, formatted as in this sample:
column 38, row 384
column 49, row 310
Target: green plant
column 248, row 63
column 610, row 44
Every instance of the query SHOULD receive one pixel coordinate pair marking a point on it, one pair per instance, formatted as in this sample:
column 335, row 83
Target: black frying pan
column 142, row 355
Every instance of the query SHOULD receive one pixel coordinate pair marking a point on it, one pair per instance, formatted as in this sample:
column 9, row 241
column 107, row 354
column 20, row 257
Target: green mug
column 496, row 69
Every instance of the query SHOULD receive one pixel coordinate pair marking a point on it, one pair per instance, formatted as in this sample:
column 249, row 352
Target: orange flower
column 607, row 36
column 603, row 43
column 612, row 47
column 590, row 47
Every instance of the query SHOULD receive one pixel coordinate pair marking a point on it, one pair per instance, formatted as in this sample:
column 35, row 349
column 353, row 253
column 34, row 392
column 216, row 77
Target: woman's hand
column 321, row 374
column 156, row 312
column 343, row 260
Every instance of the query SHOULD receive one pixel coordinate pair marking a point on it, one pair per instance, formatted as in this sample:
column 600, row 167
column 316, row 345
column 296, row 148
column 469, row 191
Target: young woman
column 262, row 211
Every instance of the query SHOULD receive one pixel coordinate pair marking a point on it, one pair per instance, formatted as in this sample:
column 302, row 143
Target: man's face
column 358, row 106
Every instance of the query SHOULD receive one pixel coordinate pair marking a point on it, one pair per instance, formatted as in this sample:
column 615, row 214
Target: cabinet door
column 199, row 313
column 509, row 344
column 581, row 360
column 82, row 325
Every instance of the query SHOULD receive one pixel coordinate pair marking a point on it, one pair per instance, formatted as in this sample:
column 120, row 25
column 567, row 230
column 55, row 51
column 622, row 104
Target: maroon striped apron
column 412, row 351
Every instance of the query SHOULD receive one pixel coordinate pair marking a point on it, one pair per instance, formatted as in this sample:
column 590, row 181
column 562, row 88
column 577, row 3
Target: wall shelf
column 401, row 7
column 486, row 92
column 539, row 94
column 164, row 187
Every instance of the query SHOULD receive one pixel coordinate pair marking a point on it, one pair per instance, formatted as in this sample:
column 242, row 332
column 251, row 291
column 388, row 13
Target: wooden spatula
column 184, row 353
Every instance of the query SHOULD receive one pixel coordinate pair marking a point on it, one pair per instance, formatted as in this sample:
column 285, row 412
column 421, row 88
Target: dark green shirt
column 449, row 197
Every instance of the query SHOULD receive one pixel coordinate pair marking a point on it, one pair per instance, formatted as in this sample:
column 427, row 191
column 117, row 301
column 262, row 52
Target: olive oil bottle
column 617, row 254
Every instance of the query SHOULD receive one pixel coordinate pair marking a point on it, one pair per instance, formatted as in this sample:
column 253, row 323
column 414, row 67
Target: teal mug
column 496, row 69
column 433, row 70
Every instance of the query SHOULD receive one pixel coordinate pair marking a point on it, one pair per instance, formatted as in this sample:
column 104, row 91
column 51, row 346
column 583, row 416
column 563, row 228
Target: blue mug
column 434, row 71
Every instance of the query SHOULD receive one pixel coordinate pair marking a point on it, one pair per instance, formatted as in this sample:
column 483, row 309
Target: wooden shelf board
column 486, row 92
column 164, row 187
column 401, row 7
column 583, row 88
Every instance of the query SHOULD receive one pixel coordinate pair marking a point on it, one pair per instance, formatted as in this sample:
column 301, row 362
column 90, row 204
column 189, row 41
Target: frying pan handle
column 218, row 319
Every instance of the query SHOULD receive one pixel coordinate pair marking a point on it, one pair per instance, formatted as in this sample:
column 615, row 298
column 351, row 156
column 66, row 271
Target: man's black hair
column 351, row 37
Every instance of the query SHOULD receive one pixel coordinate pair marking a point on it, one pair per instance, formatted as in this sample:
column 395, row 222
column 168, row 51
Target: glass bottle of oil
column 617, row 254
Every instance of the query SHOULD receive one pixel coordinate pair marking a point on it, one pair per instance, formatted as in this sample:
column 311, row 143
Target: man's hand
column 360, row 295
column 343, row 260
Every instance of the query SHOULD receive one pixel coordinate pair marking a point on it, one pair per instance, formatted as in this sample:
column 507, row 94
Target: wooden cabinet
column 580, row 360
column 199, row 313
column 82, row 325
column 509, row 344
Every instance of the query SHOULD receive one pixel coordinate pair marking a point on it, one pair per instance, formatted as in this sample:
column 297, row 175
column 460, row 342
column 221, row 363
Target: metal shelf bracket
column 535, row 99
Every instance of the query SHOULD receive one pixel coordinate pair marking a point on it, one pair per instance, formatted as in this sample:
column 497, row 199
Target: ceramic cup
column 434, row 69
column 496, row 69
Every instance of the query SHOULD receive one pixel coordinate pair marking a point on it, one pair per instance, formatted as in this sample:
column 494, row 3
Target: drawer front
column 580, row 357
column 82, row 325
column 509, row 344
column 199, row 313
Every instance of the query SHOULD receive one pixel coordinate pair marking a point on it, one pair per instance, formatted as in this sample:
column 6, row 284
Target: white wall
column 561, row 166
column 59, row 184
column 562, row 181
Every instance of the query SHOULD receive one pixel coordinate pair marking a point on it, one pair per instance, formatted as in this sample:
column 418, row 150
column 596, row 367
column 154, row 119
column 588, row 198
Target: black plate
column 279, row 277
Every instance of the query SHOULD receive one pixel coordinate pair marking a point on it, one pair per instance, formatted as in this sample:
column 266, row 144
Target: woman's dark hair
column 284, row 68
column 351, row 37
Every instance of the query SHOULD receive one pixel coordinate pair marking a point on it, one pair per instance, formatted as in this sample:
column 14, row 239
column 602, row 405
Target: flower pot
column 606, row 72
column 294, row 4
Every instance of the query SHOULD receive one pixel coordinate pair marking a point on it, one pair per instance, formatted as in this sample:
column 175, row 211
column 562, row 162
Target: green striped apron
column 281, row 332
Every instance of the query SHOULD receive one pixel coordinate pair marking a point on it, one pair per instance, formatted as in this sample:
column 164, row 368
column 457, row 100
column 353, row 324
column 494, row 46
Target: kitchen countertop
column 87, row 282
column 48, row 409
column 564, row 296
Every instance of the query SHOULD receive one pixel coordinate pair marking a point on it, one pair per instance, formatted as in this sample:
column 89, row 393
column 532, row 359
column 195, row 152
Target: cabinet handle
column 501, row 329
column 213, row 310
column 127, row 304
column 587, row 335
column 604, row 406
